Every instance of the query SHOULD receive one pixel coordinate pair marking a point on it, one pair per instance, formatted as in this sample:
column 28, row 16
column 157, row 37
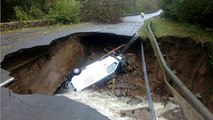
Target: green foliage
column 21, row 15
column 65, row 11
column 99, row 11
column 110, row 11
column 36, row 13
column 33, row 14
column 60, row 11
column 7, row 10
column 166, row 27
column 190, row 11
column 137, row 6
column 144, row 33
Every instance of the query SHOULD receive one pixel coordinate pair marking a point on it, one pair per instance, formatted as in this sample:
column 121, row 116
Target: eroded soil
column 42, row 69
column 187, row 59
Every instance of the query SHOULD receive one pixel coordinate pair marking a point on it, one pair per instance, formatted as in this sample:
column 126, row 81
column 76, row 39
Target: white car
column 96, row 73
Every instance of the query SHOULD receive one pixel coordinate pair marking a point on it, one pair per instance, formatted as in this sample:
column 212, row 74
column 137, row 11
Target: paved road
column 26, row 38
column 38, row 107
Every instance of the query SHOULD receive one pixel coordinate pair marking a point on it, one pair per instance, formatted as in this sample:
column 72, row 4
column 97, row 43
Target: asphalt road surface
column 39, row 107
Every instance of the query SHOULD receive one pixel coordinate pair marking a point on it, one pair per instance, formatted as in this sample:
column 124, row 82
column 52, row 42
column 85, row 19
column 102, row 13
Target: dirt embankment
column 188, row 59
column 42, row 69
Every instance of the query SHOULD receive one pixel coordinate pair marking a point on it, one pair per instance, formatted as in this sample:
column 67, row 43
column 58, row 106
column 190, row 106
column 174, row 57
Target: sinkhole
column 42, row 69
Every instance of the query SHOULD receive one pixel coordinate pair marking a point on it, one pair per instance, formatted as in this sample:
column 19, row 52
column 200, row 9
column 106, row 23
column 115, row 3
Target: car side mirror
column 76, row 71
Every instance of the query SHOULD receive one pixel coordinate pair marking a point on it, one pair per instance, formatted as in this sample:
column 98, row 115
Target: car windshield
column 112, row 67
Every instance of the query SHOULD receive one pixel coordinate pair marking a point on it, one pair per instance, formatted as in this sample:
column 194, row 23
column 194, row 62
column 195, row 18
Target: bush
column 20, row 14
column 138, row 6
column 33, row 14
column 190, row 11
column 99, row 11
column 36, row 13
column 65, row 11
column 60, row 11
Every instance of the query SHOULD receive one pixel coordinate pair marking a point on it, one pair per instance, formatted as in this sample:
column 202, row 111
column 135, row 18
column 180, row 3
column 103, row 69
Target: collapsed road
column 27, row 38
column 45, row 70
column 11, row 42
column 124, row 91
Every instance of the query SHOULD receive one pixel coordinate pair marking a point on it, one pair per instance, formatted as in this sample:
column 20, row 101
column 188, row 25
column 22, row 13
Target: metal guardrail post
column 196, row 104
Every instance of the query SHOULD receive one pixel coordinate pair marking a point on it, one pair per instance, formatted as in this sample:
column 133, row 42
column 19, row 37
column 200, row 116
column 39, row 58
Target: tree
column 106, row 11
column 190, row 11
column 26, row 7
column 65, row 11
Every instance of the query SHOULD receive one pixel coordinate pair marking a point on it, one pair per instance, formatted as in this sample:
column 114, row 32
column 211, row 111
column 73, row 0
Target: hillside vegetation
column 163, row 27
column 166, row 27
column 72, row 11
column 198, row 12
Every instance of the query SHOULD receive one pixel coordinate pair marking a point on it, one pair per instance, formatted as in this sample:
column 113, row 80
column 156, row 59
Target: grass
column 164, row 27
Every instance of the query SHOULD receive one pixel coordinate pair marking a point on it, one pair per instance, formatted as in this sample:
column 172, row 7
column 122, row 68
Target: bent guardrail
column 192, row 107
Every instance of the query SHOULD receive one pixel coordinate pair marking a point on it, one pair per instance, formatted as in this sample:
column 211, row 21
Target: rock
column 134, row 101
column 111, row 93
column 198, row 96
column 118, row 92
column 113, row 81
column 123, row 92
column 174, row 71
column 111, row 86
column 134, row 87
column 141, row 113
column 122, row 85
column 101, row 90
column 131, row 57
column 128, row 93
column 130, row 68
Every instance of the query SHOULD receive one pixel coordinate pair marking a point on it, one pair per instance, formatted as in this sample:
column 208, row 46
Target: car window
column 112, row 67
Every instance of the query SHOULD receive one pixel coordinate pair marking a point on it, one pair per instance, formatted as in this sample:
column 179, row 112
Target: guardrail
column 192, row 108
